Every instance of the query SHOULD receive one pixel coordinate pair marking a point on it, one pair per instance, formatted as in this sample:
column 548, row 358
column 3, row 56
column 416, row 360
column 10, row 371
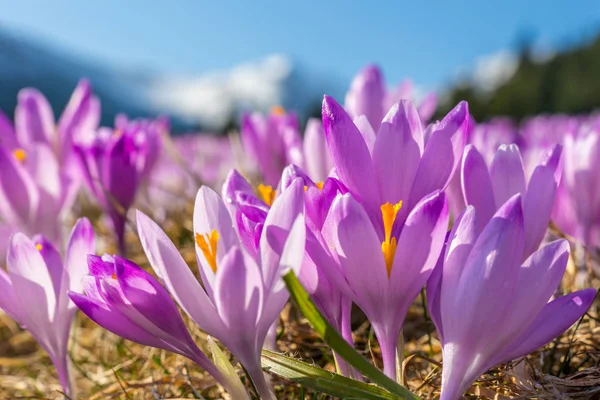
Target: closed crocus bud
column 489, row 306
column 126, row 300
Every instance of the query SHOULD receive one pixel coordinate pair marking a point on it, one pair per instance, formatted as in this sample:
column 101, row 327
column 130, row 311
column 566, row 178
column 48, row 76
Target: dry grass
column 107, row 367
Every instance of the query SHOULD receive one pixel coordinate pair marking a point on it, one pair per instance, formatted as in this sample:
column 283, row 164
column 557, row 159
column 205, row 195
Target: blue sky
column 426, row 40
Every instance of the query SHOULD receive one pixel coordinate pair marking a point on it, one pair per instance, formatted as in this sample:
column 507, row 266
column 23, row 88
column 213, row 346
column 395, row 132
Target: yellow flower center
column 208, row 244
column 267, row 194
column 39, row 247
column 388, row 247
column 278, row 110
column 20, row 155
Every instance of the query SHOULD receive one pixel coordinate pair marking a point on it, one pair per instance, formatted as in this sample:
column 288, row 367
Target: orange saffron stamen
column 208, row 244
column 388, row 247
column 267, row 193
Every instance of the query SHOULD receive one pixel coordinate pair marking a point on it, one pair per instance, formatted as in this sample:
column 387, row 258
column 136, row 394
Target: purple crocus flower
column 241, row 298
column 577, row 207
column 34, row 290
column 368, row 96
column 378, row 269
column 35, row 192
column 488, row 305
column 401, row 163
column 272, row 142
column 126, row 300
column 487, row 189
column 114, row 163
column 34, row 120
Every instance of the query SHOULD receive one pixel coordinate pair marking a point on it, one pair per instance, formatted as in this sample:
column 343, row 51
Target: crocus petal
column 33, row 285
column 19, row 196
column 397, row 151
column 349, row 152
column 459, row 245
column 34, row 119
column 53, row 262
column 8, row 139
column 555, row 318
column 442, row 153
column 537, row 206
column 359, row 251
column 508, row 176
column 293, row 251
column 81, row 243
column 488, row 279
column 276, row 230
column 418, row 249
column 477, row 185
column 8, row 298
column 539, row 276
column 366, row 95
column 150, row 299
column 177, row 276
column 238, row 292
column 112, row 320
column 234, row 183
column 211, row 214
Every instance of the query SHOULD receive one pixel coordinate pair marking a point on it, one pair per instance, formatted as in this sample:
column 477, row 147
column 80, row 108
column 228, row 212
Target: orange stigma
column 388, row 247
column 319, row 185
column 278, row 110
column 208, row 244
column 114, row 276
column 267, row 194
column 20, row 154
column 39, row 247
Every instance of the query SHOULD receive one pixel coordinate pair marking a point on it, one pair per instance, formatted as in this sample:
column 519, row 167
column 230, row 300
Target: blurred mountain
column 213, row 100
column 528, row 82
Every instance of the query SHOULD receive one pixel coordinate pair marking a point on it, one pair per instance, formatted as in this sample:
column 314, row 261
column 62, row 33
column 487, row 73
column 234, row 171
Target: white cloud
column 212, row 99
column 493, row 70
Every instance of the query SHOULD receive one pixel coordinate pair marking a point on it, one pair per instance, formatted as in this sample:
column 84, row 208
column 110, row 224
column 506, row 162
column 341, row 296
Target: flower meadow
column 376, row 253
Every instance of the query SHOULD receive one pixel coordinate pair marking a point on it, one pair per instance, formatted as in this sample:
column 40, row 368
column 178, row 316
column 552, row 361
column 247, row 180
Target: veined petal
column 442, row 153
column 537, row 207
column 487, row 284
column 418, row 250
column 238, row 292
column 210, row 214
column 555, row 318
column 350, row 153
column 234, row 183
column 397, row 151
column 276, row 231
column 508, row 175
column 19, row 196
column 367, row 132
column 358, row 250
column 178, row 278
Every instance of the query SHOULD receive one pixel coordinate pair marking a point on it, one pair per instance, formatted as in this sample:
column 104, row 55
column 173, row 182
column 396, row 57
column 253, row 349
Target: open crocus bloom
column 34, row 120
column 241, row 297
column 488, row 305
column 380, row 270
column 368, row 96
column 126, row 300
column 34, row 291
column 35, row 192
column 401, row 163
column 487, row 189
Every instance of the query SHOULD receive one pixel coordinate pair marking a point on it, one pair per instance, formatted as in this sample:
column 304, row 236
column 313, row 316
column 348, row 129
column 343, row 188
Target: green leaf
column 321, row 380
column 336, row 342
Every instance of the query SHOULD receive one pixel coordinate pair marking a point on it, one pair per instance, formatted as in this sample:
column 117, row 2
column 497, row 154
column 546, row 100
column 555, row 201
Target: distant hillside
column 568, row 82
